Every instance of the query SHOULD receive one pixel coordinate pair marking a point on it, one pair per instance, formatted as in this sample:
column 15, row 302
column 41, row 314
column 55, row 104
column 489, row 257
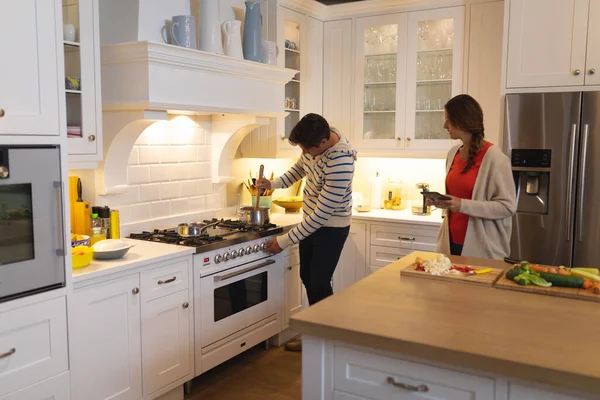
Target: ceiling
column 333, row 2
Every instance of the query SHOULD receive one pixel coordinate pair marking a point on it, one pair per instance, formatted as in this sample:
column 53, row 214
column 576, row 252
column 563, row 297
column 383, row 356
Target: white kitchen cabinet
column 517, row 391
column 29, row 84
column 166, row 340
column 303, row 94
column 407, row 66
column 292, row 286
column 105, row 341
column 547, row 42
column 434, row 74
column 82, row 60
column 55, row 388
column 33, row 344
column 484, row 78
column 352, row 265
column 338, row 70
column 592, row 63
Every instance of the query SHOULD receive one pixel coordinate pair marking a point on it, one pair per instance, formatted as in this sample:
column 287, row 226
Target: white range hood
column 142, row 82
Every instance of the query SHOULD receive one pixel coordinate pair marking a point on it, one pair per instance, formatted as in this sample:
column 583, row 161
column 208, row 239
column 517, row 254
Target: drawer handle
column 8, row 353
column 410, row 239
column 420, row 388
column 135, row 290
column 161, row 282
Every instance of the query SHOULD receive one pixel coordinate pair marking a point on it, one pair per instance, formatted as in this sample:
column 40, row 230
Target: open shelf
column 446, row 50
column 72, row 44
column 295, row 81
column 429, row 111
column 292, row 110
column 293, row 51
column 380, row 112
column 70, row 91
column 432, row 81
column 379, row 83
column 381, row 55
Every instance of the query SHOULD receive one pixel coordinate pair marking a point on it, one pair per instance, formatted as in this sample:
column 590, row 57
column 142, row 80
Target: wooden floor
column 256, row 374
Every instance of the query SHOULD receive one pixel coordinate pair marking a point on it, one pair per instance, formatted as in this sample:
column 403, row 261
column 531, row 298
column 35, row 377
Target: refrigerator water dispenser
column 531, row 172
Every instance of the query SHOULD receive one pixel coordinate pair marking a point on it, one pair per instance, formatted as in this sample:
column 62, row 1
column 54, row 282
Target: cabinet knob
column 92, row 138
column 398, row 139
column 135, row 290
column 290, row 268
column 576, row 72
column 185, row 305
column 408, row 139
column 283, row 137
column 2, row 113
column 591, row 72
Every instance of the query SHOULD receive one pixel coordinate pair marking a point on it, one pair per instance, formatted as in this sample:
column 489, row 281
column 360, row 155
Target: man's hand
column 273, row 247
column 263, row 183
column 453, row 204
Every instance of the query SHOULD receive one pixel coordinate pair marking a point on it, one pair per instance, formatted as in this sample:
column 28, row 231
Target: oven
column 32, row 249
column 245, row 295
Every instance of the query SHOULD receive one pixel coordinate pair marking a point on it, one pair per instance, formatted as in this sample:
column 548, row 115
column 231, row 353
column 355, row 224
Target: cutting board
column 482, row 280
column 571, row 293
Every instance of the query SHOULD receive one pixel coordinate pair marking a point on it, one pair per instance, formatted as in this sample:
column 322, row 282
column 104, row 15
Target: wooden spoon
column 258, row 190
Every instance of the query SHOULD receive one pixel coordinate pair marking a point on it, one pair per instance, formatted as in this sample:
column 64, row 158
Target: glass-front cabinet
column 82, row 79
column 404, row 69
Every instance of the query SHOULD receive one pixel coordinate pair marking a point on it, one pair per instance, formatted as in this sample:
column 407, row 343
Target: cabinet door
column 29, row 84
column 379, row 101
column 592, row 64
column 434, row 74
column 82, row 59
column 337, row 75
column 292, row 287
column 105, row 341
column 546, row 43
column 352, row 266
column 55, row 388
column 166, row 338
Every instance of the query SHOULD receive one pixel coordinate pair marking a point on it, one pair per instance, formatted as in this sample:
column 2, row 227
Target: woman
column 480, row 185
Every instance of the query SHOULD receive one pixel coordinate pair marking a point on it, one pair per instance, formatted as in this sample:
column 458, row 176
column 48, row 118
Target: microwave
column 32, row 244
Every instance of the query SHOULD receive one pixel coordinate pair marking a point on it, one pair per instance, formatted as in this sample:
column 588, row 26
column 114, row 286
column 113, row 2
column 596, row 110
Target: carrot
column 596, row 287
column 563, row 271
column 587, row 284
column 553, row 270
column 539, row 268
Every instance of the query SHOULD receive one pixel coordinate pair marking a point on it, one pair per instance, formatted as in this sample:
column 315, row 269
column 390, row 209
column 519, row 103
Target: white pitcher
column 232, row 38
column 210, row 27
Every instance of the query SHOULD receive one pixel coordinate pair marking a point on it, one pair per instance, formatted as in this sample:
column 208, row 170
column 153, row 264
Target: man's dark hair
column 310, row 131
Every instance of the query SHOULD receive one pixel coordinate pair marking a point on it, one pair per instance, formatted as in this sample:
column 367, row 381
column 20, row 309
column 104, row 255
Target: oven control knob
column 227, row 256
column 218, row 258
column 255, row 248
column 234, row 254
column 242, row 252
column 249, row 250
column 263, row 245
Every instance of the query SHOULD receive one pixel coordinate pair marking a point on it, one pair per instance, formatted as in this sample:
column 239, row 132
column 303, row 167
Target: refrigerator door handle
column 582, row 164
column 570, row 182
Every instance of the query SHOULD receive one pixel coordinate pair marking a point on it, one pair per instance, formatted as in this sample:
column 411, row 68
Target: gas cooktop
column 226, row 233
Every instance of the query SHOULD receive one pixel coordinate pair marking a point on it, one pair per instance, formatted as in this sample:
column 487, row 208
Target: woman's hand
column 273, row 247
column 452, row 205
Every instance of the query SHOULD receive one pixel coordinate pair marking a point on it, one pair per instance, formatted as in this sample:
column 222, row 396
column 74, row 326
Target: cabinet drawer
column 405, row 236
column 379, row 377
column 55, row 388
column 520, row 392
column 33, row 344
column 165, row 280
column 383, row 256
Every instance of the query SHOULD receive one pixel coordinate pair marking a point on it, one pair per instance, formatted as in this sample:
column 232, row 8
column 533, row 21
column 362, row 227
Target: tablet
column 435, row 196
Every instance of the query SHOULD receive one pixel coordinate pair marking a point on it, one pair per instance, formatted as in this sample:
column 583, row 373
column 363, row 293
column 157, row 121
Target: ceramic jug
column 232, row 39
column 252, row 32
column 210, row 27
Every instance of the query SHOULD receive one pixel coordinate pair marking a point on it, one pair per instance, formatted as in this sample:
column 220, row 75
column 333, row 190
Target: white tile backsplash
column 169, row 173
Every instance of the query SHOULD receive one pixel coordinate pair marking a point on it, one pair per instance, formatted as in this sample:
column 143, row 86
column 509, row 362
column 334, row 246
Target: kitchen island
column 387, row 338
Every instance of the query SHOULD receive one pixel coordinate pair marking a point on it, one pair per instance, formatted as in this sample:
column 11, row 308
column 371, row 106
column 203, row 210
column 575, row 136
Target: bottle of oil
column 98, row 232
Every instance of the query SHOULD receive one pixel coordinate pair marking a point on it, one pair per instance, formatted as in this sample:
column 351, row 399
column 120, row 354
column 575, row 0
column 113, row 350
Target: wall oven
column 32, row 248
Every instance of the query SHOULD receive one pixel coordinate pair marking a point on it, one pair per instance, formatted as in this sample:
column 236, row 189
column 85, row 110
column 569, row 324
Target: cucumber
column 562, row 280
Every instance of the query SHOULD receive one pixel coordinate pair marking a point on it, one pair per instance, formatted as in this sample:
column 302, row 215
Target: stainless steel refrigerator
column 553, row 140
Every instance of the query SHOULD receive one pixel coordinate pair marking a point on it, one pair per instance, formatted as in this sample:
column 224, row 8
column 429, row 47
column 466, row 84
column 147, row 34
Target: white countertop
column 140, row 254
column 435, row 219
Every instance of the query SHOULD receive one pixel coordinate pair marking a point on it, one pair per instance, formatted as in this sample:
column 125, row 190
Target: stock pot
column 257, row 217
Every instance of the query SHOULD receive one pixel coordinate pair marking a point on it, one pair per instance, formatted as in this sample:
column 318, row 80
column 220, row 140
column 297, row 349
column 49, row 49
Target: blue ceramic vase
column 252, row 32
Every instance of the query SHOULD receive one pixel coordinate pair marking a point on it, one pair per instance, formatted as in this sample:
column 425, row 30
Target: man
column 327, row 162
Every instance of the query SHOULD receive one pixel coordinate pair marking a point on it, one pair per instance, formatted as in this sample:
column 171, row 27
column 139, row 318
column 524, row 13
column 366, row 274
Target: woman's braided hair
column 464, row 112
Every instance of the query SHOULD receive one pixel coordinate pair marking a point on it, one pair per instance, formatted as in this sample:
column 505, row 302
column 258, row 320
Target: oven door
column 239, row 297
column 31, row 220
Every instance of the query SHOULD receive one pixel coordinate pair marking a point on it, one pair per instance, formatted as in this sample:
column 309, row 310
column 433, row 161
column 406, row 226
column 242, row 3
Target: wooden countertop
column 523, row 336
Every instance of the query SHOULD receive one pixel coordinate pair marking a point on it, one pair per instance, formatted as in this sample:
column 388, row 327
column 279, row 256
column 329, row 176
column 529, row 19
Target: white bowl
column 110, row 249
column 362, row 208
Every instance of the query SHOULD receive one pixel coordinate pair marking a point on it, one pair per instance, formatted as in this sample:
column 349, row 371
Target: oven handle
column 60, row 251
column 220, row 278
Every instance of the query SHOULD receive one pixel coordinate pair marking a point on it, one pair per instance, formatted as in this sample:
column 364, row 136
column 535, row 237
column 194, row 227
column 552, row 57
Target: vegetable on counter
column 525, row 275
column 583, row 274
column 562, row 280
column 593, row 271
